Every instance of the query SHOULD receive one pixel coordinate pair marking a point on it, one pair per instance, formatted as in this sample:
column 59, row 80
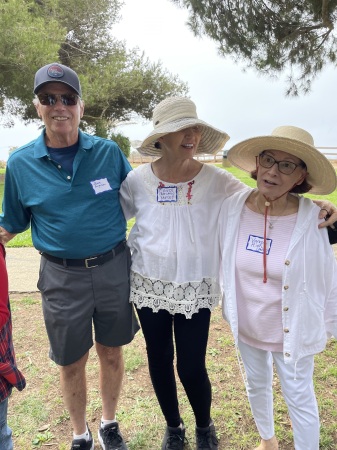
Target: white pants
column 298, row 392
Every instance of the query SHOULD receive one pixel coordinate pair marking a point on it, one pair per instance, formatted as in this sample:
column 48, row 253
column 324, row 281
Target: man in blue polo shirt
column 65, row 186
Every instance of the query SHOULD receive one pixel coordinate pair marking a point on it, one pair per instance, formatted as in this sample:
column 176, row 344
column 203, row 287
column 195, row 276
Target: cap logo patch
column 55, row 71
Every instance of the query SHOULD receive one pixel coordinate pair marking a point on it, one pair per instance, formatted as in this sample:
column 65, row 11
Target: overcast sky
column 242, row 104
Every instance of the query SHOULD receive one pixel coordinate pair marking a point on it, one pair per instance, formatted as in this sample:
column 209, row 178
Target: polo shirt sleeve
column 126, row 199
column 125, row 166
column 15, row 218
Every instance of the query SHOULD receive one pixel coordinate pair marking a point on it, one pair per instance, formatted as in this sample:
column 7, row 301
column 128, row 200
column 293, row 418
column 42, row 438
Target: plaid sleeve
column 4, row 311
column 10, row 375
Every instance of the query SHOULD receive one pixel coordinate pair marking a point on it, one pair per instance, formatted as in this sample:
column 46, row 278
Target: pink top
column 259, row 304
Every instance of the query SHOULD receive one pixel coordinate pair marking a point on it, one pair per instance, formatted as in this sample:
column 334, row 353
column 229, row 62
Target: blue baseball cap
column 57, row 73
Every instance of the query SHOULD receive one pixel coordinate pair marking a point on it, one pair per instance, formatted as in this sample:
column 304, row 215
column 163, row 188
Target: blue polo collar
column 86, row 142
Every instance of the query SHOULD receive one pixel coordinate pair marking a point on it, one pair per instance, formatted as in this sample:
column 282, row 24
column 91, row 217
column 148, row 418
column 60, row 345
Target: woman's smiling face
column 182, row 144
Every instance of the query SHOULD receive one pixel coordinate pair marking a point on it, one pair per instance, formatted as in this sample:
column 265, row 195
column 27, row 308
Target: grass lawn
column 39, row 420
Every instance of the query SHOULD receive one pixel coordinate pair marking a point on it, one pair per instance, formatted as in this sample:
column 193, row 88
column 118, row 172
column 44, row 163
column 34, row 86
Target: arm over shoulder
column 126, row 198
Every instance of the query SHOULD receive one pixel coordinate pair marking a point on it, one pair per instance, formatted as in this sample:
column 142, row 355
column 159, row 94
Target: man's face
column 61, row 121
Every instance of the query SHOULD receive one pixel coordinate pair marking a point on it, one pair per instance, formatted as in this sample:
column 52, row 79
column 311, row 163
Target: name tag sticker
column 167, row 194
column 101, row 185
column 255, row 244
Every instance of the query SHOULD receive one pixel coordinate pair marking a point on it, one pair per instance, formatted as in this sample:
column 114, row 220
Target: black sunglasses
column 51, row 99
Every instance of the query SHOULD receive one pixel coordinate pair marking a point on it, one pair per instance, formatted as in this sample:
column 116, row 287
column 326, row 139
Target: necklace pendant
column 271, row 225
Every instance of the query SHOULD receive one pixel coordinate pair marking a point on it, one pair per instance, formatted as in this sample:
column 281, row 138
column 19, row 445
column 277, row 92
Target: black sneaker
column 206, row 438
column 82, row 444
column 174, row 438
column 110, row 438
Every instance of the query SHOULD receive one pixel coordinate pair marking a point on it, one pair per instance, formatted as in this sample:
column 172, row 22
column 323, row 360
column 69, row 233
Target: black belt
column 90, row 262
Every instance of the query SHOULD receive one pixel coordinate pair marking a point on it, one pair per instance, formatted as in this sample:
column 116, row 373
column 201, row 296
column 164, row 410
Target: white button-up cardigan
column 309, row 280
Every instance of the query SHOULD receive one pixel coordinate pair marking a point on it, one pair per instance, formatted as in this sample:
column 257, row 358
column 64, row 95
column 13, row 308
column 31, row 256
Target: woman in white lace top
column 176, row 201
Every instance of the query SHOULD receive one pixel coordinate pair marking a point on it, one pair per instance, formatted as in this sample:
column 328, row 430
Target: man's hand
column 5, row 236
column 328, row 212
column 330, row 221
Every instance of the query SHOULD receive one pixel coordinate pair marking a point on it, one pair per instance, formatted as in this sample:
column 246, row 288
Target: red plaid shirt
column 4, row 311
column 9, row 374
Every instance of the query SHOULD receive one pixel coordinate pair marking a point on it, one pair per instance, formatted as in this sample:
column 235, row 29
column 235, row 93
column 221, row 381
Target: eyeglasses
column 285, row 167
column 51, row 99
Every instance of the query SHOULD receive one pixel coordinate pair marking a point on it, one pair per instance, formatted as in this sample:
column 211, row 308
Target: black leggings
column 191, row 337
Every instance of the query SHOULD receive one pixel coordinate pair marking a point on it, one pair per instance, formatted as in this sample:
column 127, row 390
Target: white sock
column 107, row 422
column 85, row 435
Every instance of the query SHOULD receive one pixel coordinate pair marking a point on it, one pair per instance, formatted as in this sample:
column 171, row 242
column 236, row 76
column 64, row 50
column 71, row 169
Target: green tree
column 272, row 37
column 118, row 84
column 123, row 143
column 24, row 46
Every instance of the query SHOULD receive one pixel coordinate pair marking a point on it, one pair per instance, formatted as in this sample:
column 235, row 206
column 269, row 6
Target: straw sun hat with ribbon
column 175, row 114
column 295, row 141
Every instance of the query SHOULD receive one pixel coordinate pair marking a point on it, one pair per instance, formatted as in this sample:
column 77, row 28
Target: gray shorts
column 74, row 298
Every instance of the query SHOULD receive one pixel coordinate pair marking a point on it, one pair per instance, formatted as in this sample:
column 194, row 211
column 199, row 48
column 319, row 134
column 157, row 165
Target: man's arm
column 5, row 236
column 15, row 217
column 332, row 233
column 329, row 213
column 331, row 223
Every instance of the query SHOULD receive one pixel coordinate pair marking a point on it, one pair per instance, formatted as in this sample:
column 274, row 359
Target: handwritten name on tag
column 255, row 244
column 101, row 185
column 167, row 194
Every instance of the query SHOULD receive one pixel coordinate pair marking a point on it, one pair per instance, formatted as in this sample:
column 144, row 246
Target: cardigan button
column 287, row 354
column 287, row 262
column 286, row 330
column 286, row 287
column 286, row 308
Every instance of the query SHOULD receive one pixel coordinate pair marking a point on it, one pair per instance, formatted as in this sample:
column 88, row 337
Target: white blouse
column 175, row 255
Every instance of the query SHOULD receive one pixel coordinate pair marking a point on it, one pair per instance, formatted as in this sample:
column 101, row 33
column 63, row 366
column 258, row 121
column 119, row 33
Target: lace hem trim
column 188, row 309
column 186, row 298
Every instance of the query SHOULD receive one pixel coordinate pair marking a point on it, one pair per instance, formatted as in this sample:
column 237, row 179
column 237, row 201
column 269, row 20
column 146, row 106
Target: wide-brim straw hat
column 175, row 114
column 295, row 141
